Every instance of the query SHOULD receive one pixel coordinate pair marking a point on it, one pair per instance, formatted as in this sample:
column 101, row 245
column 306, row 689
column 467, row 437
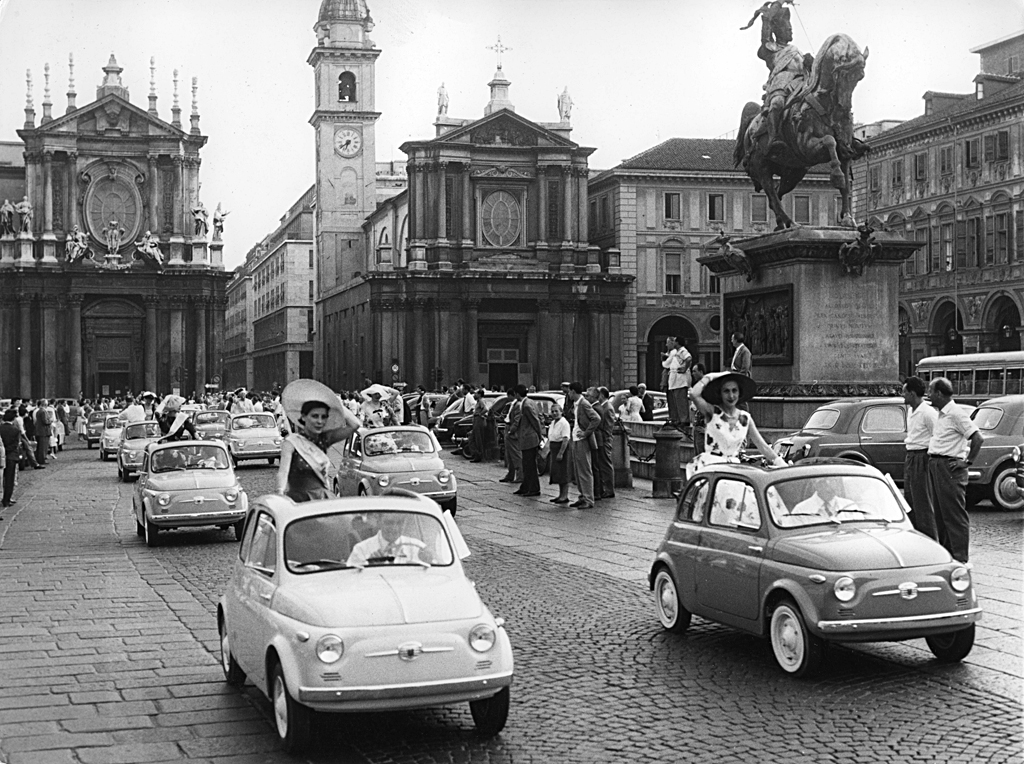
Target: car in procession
column 806, row 555
column 187, row 484
column 360, row 604
column 994, row 473
column 211, row 424
column 253, row 435
column 94, row 427
column 110, row 435
column 131, row 452
column 375, row 460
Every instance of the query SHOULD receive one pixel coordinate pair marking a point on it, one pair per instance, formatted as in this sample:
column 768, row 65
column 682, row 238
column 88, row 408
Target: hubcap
column 667, row 599
column 281, row 707
column 225, row 649
column 788, row 639
column 1006, row 492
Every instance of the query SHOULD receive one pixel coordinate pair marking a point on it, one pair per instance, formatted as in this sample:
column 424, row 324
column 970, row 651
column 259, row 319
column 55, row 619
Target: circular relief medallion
column 502, row 219
column 113, row 199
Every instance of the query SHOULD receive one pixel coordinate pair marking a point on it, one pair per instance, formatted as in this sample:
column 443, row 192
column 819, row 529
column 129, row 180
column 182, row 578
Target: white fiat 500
column 360, row 604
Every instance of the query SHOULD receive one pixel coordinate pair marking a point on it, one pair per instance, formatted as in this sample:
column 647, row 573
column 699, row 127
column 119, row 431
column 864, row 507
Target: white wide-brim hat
column 302, row 391
column 383, row 391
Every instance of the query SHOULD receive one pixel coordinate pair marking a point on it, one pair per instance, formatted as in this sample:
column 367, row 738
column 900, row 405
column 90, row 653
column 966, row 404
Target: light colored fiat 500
column 360, row 604
column 184, row 484
column 253, row 436
column 132, row 450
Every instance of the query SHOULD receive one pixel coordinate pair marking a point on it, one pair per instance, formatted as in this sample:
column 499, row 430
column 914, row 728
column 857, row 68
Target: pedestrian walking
column 530, row 433
column 559, row 458
column 604, row 475
column 10, row 440
column 63, row 417
column 676, row 361
column 920, row 426
column 954, row 444
column 583, row 441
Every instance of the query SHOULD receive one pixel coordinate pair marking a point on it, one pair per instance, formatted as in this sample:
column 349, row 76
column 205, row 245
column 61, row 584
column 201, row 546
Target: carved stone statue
column 202, row 218
column 7, row 218
column 76, row 248
column 858, row 255
column 148, row 248
column 735, row 256
column 442, row 101
column 564, row 105
column 24, row 210
column 112, row 234
column 776, row 29
column 218, row 222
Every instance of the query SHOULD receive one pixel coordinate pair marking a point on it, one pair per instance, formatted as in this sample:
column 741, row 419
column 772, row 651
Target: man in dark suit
column 42, row 427
column 10, row 437
column 604, row 483
column 647, row 413
column 529, row 442
column 513, row 455
column 587, row 422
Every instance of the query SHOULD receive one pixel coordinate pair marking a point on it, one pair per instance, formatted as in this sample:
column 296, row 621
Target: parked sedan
column 360, row 604
column 184, row 484
column 458, row 410
column 1018, row 461
column 409, row 457
column 807, row 555
column 253, row 436
column 993, row 474
column 211, row 424
column 132, row 450
column 110, row 435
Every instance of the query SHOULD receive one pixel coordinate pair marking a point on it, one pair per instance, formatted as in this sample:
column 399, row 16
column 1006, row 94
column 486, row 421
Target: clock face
column 348, row 142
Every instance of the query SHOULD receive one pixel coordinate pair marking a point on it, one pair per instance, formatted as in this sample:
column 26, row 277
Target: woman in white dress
column 630, row 409
column 717, row 397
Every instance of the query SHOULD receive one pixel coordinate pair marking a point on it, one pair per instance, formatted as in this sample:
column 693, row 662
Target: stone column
column 580, row 212
column 32, row 185
column 442, row 212
column 179, row 374
column 150, row 339
column 472, row 339
column 154, row 197
column 419, row 341
column 48, row 193
column 25, row 300
column 547, row 335
column 542, row 205
column 596, row 360
column 219, row 305
column 178, row 229
column 73, row 189
column 467, row 206
column 420, row 227
column 49, row 354
column 75, row 368
column 417, row 226
column 567, row 216
column 199, row 307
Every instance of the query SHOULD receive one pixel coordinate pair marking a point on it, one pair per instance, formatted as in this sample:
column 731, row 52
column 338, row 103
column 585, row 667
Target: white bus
column 977, row 376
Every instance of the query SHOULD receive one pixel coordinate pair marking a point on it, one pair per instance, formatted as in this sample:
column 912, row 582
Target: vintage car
column 110, row 435
column 253, row 436
column 458, row 410
column 94, row 427
column 135, row 437
column 408, row 457
column 993, row 474
column 809, row 554
column 211, row 424
column 360, row 604
column 1018, row 461
column 187, row 484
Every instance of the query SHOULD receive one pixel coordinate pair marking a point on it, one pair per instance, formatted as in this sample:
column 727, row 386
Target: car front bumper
column 398, row 696
column 245, row 451
column 902, row 627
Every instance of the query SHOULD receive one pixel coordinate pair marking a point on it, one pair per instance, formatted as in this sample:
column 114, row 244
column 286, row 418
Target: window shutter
column 990, row 148
column 1018, row 243
column 1003, row 145
column 961, row 244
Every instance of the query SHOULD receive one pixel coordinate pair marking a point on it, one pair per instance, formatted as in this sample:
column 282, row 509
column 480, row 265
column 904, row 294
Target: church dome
column 343, row 10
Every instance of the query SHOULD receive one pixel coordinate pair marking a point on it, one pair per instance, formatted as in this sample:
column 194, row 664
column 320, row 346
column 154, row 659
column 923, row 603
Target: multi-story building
column 238, row 331
column 660, row 209
column 953, row 179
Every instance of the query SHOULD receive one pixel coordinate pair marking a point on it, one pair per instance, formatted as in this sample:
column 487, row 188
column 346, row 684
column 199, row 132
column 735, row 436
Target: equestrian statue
column 806, row 118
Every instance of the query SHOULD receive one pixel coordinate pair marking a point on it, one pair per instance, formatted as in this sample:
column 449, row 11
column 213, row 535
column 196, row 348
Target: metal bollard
column 668, row 473
column 622, row 471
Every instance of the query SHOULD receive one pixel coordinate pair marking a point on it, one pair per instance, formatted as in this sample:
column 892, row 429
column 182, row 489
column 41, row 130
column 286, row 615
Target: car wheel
column 673, row 616
column 233, row 673
column 152, row 533
column 1005, row 494
column 293, row 720
column 952, row 647
column 797, row 651
column 490, row 714
column 139, row 530
column 238, row 528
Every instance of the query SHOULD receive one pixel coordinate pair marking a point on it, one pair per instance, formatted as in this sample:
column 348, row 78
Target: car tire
column 673, row 616
column 796, row 650
column 233, row 673
column 952, row 647
column 292, row 720
column 238, row 528
column 1005, row 494
column 490, row 714
column 151, row 532
column 452, row 505
column 140, row 531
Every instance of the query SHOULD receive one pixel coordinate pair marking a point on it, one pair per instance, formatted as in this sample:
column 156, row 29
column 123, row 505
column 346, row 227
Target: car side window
column 262, row 554
column 734, row 505
column 356, row 449
column 691, row 506
column 885, row 419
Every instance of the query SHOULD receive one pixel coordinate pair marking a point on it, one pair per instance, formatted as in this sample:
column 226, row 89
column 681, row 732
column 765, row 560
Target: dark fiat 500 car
column 211, row 425
column 993, row 474
column 806, row 555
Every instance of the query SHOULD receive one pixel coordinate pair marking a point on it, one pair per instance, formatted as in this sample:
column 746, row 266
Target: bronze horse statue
column 815, row 126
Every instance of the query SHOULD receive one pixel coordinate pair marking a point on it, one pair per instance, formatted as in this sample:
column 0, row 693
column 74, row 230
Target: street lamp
column 1007, row 331
column 951, row 334
column 904, row 327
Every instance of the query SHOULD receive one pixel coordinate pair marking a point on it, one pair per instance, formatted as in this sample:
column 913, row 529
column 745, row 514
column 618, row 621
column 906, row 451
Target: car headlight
column 960, row 579
column 444, row 476
column 1016, row 453
column 231, row 494
column 131, row 455
column 845, row 589
column 278, row 441
column 482, row 638
column 383, row 480
column 163, row 499
column 330, row 648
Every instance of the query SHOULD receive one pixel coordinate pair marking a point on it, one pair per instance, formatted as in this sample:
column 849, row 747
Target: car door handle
column 866, row 437
column 265, row 596
column 755, row 548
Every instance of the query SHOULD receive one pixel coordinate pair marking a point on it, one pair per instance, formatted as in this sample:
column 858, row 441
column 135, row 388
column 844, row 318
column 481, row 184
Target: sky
column 639, row 71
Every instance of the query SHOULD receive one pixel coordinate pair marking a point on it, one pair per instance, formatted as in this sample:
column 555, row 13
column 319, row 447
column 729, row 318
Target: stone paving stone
column 137, row 753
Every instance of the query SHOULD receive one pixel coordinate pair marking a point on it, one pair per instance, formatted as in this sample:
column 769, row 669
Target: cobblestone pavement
column 109, row 649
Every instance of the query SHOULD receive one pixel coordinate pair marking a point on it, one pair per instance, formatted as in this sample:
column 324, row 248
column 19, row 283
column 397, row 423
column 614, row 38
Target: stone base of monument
column 818, row 310
column 7, row 251
column 177, row 251
column 26, row 250
column 217, row 254
column 200, row 254
column 49, row 249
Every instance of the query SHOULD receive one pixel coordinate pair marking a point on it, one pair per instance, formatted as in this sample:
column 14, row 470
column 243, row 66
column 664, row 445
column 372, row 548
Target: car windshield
column 397, row 442
column 112, row 423
column 365, row 539
column 143, row 430
column 211, row 417
column 98, row 416
column 987, row 417
column 253, row 422
column 206, row 457
column 822, row 419
column 832, row 499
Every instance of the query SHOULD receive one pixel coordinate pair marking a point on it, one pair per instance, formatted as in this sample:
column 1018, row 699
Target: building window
column 673, row 273
column 802, row 209
column 1002, row 225
column 553, row 227
column 347, row 87
column 990, row 240
column 672, row 207
column 997, row 146
column 897, row 173
column 311, row 290
column 1013, row 64
column 605, row 215
column 947, row 246
column 921, row 236
column 874, row 179
column 920, row 167
column 973, row 241
column 972, row 153
column 714, row 285
column 758, row 208
column 593, row 215
column 946, row 160
column 716, row 207
column 310, row 258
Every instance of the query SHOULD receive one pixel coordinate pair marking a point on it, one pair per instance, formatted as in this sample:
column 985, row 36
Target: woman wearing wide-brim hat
column 319, row 420
column 717, row 397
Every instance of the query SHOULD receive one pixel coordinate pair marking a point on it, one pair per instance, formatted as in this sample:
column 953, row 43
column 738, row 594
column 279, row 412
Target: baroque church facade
column 482, row 269
column 111, row 280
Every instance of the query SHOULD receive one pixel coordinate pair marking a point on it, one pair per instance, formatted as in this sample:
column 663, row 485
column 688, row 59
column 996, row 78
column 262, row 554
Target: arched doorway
column 112, row 347
column 1003, row 324
column 947, row 330
column 669, row 326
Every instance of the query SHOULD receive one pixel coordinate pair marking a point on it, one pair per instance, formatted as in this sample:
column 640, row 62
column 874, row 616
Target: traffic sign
column 394, row 368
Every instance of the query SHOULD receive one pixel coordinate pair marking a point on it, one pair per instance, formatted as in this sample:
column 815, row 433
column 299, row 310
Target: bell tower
column 343, row 65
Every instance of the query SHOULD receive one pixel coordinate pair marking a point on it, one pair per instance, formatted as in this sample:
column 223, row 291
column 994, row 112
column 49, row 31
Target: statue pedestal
column 418, row 257
column 26, row 250
column 177, row 251
column 819, row 312
column 217, row 254
column 49, row 249
column 200, row 253
column 7, row 251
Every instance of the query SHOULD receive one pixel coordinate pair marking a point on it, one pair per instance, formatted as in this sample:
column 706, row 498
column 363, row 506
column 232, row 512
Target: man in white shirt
column 677, row 361
column 920, row 424
column 388, row 545
column 826, row 501
column 134, row 413
column 954, row 444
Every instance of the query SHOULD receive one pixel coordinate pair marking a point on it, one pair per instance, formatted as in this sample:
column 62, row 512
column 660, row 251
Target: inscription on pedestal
column 849, row 341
